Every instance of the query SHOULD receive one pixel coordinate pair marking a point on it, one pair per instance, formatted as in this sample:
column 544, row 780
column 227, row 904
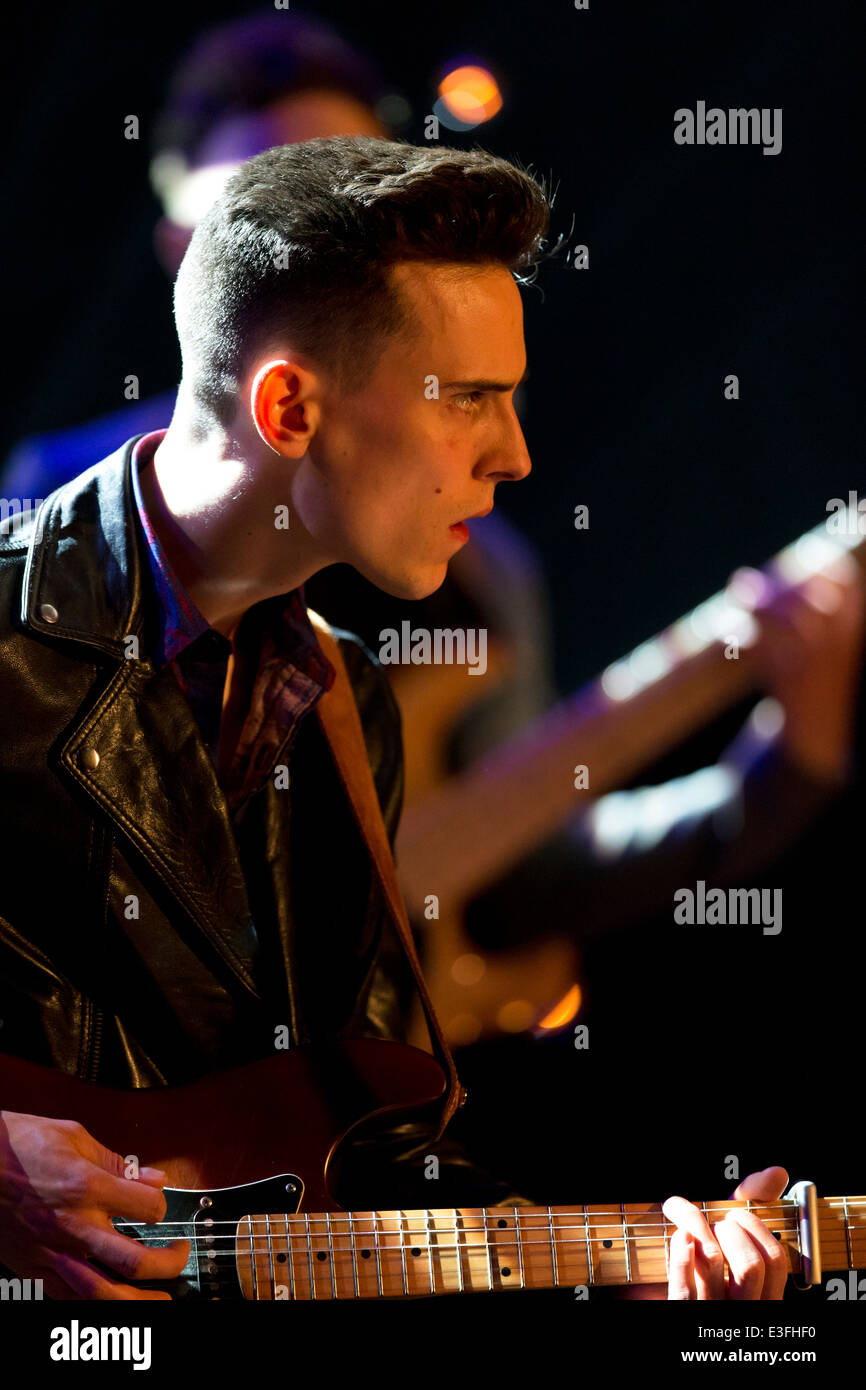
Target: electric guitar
column 248, row 1154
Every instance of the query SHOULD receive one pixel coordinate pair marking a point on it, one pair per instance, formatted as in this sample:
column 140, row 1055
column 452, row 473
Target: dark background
column 704, row 261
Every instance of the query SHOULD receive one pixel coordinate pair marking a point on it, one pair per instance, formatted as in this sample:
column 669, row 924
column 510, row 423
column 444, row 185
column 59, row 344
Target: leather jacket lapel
column 155, row 782
column 136, row 752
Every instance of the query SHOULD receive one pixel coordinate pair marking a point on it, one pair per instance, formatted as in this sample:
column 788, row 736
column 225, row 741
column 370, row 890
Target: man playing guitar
column 352, row 339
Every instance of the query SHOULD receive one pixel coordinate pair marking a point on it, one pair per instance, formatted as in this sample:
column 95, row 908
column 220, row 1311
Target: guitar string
column 645, row 1232
column 296, row 1248
column 782, row 1206
column 396, row 1249
column 635, row 1229
column 454, row 1230
column 247, row 1246
column 650, row 1231
column 645, row 1227
column 648, row 1228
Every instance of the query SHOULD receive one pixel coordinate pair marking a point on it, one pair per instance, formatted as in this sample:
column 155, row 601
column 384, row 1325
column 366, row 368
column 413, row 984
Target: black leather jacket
column 130, row 953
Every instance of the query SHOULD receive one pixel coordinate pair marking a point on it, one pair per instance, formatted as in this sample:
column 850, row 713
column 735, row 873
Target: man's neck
column 213, row 513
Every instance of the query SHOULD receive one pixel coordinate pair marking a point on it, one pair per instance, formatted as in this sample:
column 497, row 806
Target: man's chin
column 411, row 587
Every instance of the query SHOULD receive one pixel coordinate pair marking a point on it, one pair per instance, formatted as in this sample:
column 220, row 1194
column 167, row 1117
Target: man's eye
column 468, row 400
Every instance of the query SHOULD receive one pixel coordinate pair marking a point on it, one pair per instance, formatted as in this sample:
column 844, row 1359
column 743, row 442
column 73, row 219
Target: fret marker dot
column 607, row 1244
column 506, row 1273
column 415, row 1250
column 502, row 1223
column 281, row 1258
column 321, row 1254
column 365, row 1254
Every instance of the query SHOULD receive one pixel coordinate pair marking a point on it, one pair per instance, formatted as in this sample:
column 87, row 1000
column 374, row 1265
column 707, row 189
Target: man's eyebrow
column 483, row 384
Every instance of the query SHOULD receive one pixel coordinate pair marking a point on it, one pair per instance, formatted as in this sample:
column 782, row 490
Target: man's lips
column 459, row 529
column 472, row 516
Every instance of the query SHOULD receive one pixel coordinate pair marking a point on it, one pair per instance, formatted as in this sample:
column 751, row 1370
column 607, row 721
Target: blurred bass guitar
column 459, row 834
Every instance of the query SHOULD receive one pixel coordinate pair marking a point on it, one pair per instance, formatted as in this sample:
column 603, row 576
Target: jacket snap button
column 88, row 758
column 48, row 612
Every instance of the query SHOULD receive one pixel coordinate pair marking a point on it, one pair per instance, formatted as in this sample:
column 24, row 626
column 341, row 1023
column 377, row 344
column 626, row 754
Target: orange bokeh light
column 471, row 94
column 564, row 1011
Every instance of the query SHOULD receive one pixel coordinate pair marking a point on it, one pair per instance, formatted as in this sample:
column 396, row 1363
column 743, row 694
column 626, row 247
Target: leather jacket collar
column 83, row 578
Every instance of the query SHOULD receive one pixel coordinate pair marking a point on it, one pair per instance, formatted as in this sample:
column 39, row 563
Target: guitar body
column 257, row 1140
column 288, row 1112
column 232, row 1127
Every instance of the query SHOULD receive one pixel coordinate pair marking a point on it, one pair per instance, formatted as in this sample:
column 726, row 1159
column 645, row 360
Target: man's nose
column 508, row 460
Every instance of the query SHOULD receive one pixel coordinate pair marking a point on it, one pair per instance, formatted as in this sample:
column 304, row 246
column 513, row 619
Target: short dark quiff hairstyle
column 296, row 251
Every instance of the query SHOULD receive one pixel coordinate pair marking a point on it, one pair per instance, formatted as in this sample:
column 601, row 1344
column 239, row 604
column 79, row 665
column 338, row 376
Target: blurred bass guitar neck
column 466, row 833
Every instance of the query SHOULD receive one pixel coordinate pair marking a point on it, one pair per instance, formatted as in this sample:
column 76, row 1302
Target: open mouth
column 461, row 530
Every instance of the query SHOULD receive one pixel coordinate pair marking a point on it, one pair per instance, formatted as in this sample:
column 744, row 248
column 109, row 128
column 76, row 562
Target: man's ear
column 284, row 402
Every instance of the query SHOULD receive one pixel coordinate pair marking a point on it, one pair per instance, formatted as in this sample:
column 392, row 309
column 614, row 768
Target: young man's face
column 393, row 470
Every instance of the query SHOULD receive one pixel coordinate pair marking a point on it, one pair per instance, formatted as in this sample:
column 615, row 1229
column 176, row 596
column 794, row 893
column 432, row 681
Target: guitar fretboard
column 388, row 1254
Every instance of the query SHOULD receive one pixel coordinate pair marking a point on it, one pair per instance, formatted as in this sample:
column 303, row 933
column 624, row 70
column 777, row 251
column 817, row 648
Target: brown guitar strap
column 341, row 725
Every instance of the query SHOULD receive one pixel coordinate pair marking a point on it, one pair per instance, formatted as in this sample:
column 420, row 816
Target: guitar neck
column 388, row 1254
column 637, row 710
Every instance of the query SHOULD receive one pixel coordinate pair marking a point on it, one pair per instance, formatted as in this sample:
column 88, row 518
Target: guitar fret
column 290, row 1256
column 625, row 1239
column 253, row 1260
column 519, row 1246
column 270, row 1257
column 416, row 1228
column 331, row 1256
column 484, row 1215
column 847, row 1233
column 310, row 1257
column 347, row 1284
column 552, row 1246
column 588, row 1245
column 261, row 1258
column 378, row 1255
column 354, row 1254
column 502, row 1246
column 429, row 1249
column 402, row 1250
column 473, row 1222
